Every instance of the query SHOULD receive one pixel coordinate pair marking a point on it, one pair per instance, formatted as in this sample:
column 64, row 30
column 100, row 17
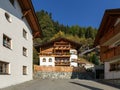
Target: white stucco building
column 49, row 60
column 18, row 23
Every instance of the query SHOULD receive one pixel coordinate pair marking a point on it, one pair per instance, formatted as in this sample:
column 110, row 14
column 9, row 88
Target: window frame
column 115, row 66
column 44, row 60
column 25, row 34
column 25, row 53
column 50, row 59
column 8, row 17
column 7, row 41
column 24, row 70
column 4, row 68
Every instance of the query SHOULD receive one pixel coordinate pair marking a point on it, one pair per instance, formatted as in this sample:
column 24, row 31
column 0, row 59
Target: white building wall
column 110, row 74
column 73, row 56
column 47, row 63
column 14, row 56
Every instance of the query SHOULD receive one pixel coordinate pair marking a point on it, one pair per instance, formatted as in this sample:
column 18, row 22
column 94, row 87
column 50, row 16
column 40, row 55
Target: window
column 6, row 41
column 7, row 16
column 24, row 70
column 24, row 51
column 12, row 2
column 115, row 66
column 24, row 34
column 44, row 60
column 50, row 59
column 4, row 68
column 73, row 60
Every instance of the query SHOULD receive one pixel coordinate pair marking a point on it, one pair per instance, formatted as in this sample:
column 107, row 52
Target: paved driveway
column 67, row 84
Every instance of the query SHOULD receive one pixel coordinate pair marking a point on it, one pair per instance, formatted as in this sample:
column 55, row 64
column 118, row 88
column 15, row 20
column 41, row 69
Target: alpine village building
column 58, row 52
column 108, row 37
column 18, row 26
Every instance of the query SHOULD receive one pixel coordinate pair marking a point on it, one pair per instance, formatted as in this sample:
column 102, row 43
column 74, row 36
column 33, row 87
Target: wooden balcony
column 110, row 54
column 62, row 55
column 46, row 54
column 62, row 63
column 55, row 54
column 62, row 47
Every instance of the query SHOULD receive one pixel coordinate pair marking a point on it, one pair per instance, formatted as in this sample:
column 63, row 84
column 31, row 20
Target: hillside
column 52, row 29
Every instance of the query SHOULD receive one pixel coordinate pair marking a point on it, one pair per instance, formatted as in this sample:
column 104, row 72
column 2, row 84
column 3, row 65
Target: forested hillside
column 52, row 29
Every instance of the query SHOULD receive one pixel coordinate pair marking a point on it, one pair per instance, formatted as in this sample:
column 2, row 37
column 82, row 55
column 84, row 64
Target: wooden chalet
column 59, row 49
column 108, row 37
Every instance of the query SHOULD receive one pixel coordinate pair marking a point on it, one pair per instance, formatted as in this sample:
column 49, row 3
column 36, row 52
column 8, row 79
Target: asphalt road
column 61, row 84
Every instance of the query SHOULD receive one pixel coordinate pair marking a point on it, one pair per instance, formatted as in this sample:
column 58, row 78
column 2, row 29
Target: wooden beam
column 25, row 12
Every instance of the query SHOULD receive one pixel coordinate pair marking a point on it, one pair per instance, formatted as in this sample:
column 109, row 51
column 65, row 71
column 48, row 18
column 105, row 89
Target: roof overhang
column 29, row 14
column 47, row 44
column 108, row 21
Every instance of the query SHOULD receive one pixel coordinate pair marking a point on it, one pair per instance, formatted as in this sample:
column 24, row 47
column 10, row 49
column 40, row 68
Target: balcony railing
column 62, row 63
column 56, row 54
column 111, row 53
column 62, row 47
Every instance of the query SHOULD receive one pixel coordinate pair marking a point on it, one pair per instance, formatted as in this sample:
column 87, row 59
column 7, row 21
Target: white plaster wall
column 15, row 57
column 47, row 63
column 73, row 63
column 110, row 74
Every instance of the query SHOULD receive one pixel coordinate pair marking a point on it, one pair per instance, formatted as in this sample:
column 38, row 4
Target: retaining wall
column 44, row 72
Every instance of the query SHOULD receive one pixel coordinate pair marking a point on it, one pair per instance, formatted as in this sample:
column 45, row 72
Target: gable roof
column 109, row 18
column 29, row 14
column 76, row 44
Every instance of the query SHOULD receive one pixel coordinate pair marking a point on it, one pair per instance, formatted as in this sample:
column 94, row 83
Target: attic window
column 8, row 17
column 12, row 2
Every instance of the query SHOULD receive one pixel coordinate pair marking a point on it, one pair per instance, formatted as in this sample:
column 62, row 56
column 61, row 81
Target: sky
column 76, row 12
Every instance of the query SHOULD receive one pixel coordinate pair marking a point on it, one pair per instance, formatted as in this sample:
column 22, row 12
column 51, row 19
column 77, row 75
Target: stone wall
column 61, row 72
column 63, row 75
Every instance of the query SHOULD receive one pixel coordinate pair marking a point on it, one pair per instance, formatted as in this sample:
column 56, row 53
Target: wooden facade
column 108, row 37
column 59, row 49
